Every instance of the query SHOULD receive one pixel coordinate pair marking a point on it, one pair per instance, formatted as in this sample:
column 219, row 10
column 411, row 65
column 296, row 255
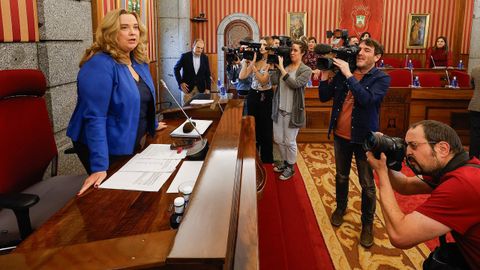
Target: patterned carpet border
column 317, row 167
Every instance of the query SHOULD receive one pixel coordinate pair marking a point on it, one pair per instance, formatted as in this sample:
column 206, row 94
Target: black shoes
column 337, row 217
column 366, row 236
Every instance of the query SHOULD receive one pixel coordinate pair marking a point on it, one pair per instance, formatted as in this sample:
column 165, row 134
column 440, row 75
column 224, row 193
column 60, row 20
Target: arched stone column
column 221, row 33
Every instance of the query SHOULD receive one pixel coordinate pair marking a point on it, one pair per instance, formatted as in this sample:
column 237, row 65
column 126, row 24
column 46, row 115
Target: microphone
column 433, row 62
column 322, row 49
column 448, row 78
column 199, row 148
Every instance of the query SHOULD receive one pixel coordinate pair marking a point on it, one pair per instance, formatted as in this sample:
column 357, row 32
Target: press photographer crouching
column 357, row 92
column 442, row 169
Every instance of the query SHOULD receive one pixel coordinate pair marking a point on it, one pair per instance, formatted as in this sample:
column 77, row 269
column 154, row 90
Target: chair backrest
column 26, row 139
column 431, row 79
column 390, row 62
column 463, row 78
column 400, row 77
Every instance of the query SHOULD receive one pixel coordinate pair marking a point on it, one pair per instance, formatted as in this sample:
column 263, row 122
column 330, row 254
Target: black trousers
column 474, row 134
column 84, row 155
column 260, row 107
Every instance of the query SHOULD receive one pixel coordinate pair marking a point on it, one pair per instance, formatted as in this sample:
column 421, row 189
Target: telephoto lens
column 393, row 147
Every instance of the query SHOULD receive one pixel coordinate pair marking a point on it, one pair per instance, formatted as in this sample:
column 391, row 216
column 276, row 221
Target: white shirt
column 196, row 63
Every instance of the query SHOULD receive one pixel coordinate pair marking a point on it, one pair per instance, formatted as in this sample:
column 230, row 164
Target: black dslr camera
column 393, row 147
column 252, row 49
column 347, row 53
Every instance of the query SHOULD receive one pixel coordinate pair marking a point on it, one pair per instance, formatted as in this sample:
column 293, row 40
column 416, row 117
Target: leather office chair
column 431, row 79
column 463, row 78
column 27, row 147
column 400, row 77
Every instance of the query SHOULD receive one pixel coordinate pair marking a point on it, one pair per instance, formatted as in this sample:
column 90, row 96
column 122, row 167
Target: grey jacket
column 475, row 101
column 302, row 75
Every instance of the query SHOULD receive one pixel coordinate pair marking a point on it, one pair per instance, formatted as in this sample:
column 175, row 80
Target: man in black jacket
column 195, row 77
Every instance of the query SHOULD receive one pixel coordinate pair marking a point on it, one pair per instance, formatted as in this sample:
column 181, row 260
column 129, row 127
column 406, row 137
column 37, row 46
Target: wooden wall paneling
column 212, row 60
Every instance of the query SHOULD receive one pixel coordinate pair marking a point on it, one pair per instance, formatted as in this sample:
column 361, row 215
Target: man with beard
column 443, row 169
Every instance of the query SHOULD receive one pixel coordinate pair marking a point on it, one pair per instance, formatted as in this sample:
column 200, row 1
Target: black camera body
column 393, row 147
column 348, row 53
column 283, row 51
column 253, row 48
column 232, row 54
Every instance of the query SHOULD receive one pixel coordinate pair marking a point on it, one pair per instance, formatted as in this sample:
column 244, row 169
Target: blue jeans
column 344, row 151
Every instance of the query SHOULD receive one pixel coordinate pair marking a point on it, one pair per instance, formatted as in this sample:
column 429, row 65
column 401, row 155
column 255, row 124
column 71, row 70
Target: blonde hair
column 106, row 39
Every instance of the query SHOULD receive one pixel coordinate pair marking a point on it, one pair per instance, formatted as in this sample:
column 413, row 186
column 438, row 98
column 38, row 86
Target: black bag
column 445, row 257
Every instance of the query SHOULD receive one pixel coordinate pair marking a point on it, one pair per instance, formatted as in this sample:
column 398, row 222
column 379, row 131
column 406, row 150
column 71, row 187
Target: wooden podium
column 117, row 229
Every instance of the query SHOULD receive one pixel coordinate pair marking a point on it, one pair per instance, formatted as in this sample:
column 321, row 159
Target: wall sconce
column 199, row 18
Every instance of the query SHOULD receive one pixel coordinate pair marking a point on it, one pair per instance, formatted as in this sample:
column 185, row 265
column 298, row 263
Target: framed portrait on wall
column 296, row 24
column 417, row 30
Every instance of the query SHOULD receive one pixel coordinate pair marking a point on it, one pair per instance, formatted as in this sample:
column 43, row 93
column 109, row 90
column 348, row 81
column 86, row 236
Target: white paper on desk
column 201, row 126
column 141, row 164
column 201, row 101
column 140, row 181
column 187, row 173
column 161, row 151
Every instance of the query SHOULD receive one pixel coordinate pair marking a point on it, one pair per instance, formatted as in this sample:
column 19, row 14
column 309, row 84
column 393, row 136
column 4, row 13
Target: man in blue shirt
column 357, row 95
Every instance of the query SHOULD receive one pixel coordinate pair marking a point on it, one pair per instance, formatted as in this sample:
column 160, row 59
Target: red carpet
column 289, row 237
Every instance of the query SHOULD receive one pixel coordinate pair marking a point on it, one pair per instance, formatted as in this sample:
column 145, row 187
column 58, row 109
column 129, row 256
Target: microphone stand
column 199, row 148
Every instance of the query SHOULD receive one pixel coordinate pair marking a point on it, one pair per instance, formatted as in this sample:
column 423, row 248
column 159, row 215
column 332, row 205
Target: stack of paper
column 147, row 171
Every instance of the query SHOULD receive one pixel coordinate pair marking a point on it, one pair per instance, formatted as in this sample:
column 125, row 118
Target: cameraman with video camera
column 444, row 170
column 356, row 95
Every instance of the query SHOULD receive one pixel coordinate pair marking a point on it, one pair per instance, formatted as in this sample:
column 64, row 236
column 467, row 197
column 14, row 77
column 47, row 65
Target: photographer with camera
column 434, row 151
column 259, row 99
column 289, row 107
column 356, row 95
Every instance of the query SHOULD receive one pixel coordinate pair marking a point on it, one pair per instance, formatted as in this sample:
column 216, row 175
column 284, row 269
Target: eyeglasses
column 414, row 145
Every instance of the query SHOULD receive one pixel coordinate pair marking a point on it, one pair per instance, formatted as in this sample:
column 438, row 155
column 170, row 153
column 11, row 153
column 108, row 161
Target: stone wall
column 65, row 29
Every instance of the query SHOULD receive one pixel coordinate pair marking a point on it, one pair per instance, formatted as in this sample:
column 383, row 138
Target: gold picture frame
column 296, row 24
column 417, row 31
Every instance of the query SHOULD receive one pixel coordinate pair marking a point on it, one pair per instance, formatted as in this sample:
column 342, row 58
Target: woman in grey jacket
column 288, row 107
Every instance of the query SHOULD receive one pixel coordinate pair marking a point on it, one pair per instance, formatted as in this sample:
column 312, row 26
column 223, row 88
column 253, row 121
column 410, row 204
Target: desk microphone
column 199, row 149
column 448, row 78
column 433, row 62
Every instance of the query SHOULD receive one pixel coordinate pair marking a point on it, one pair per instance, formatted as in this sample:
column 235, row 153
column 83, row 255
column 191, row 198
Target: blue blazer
column 368, row 94
column 108, row 108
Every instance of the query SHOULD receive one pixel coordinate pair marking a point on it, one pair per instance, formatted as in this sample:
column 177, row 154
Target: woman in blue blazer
column 116, row 98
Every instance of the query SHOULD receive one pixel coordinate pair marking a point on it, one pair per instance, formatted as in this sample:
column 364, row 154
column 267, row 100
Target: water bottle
column 223, row 91
column 460, row 64
column 176, row 217
column 454, row 82
column 219, row 84
column 416, row 82
column 309, row 83
column 381, row 65
column 410, row 64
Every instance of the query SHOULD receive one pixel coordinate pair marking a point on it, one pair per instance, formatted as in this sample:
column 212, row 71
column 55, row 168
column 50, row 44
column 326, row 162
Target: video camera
column 393, row 147
column 283, row 50
column 253, row 48
column 232, row 54
column 347, row 52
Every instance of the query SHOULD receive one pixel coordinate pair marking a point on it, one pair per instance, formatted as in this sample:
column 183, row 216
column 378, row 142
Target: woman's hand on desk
column 94, row 179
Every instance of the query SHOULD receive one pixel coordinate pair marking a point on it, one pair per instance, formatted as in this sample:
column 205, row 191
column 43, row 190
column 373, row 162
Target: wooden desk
column 119, row 229
column 401, row 107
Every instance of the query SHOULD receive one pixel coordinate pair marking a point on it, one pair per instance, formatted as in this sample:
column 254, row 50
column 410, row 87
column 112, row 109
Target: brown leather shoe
column 337, row 217
column 366, row 237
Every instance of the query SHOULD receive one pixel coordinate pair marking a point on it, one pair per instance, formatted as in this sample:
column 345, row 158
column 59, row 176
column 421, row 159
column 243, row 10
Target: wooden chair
column 27, row 147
